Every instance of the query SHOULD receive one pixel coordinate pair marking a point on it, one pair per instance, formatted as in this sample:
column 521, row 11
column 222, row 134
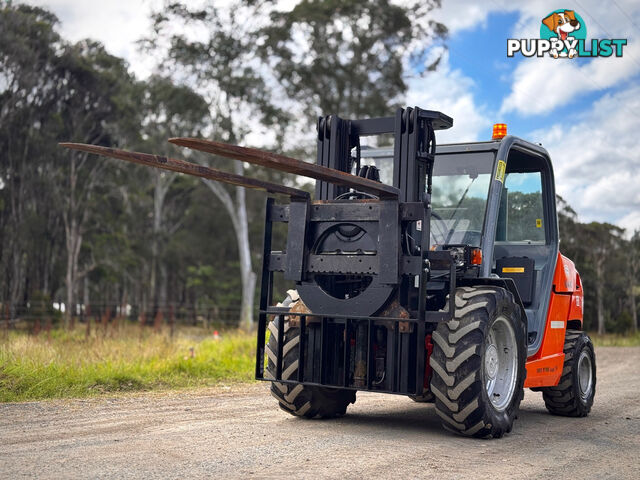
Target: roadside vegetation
column 616, row 340
column 68, row 364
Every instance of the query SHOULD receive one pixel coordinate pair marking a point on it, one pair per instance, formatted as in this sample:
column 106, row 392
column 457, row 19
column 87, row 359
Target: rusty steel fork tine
column 188, row 168
column 289, row 165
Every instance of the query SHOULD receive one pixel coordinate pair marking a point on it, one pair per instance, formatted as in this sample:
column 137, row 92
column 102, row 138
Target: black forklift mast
column 362, row 265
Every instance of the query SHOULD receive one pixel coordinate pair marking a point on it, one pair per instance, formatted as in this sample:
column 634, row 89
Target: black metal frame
column 388, row 219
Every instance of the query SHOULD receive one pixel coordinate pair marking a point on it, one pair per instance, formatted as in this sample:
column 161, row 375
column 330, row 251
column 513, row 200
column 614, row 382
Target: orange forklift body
column 544, row 369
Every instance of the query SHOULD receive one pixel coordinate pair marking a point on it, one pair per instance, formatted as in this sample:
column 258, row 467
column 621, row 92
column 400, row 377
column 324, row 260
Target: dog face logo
column 563, row 34
column 561, row 27
column 562, row 24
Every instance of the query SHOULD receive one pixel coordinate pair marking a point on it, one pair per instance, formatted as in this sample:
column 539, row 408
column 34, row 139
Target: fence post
column 172, row 320
column 87, row 332
column 157, row 321
column 36, row 327
column 206, row 318
column 47, row 328
column 105, row 321
column 116, row 323
column 5, row 322
column 142, row 320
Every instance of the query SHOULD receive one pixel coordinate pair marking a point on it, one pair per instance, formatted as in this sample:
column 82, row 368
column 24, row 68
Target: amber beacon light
column 499, row 130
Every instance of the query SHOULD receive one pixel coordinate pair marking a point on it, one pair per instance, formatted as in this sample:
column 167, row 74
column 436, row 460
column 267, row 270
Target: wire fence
column 37, row 316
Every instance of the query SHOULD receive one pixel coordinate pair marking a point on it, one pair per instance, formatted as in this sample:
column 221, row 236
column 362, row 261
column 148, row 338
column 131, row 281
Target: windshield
column 459, row 192
column 459, row 199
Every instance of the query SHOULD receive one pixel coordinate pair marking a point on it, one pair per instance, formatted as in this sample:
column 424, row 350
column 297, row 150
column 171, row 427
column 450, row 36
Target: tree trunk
column 246, row 271
column 633, row 273
column 161, row 183
column 17, row 168
column 17, row 283
column 632, row 303
column 599, row 264
column 634, row 313
column 73, row 241
column 238, row 212
column 73, row 244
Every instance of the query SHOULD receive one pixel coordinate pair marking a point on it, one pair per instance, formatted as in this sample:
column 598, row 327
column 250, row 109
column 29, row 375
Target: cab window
column 521, row 216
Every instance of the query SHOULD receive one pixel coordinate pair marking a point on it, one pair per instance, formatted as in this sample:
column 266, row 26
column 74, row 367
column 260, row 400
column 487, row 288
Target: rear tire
column 478, row 363
column 573, row 396
column 297, row 399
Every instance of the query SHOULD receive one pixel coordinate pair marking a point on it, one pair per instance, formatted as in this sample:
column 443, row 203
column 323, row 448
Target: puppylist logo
column 563, row 34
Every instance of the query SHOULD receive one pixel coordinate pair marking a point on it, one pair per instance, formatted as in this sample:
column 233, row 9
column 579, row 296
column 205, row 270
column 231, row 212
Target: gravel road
column 239, row 432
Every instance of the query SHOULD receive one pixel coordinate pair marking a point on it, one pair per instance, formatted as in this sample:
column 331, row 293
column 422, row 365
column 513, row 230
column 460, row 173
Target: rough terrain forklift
column 420, row 270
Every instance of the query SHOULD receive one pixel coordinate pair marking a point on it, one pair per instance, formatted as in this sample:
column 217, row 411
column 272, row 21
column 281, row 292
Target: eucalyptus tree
column 243, row 57
column 167, row 110
column 350, row 57
column 28, row 124
column 632, row 272
column 94, row 96
column 220, row 63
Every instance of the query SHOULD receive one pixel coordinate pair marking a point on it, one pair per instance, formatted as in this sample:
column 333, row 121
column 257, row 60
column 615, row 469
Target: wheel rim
column 585, row 375
column 500, row 363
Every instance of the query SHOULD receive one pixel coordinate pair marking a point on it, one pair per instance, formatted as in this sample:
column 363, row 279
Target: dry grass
column 70, row 365
column 616, row 340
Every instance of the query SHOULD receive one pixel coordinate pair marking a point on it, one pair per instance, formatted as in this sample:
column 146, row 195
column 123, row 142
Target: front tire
column 478, row 363
column 573, row 396
column 297, row 399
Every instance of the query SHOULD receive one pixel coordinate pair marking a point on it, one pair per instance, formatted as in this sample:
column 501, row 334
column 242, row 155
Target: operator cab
column 520, row 230
column 497, row 195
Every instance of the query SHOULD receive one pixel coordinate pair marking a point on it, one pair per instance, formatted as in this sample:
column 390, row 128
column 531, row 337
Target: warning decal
column 502, row 166
column 512, row 269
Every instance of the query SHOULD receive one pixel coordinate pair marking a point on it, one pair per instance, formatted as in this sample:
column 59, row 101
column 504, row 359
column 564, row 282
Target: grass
column 69, row 365
column 616, row 340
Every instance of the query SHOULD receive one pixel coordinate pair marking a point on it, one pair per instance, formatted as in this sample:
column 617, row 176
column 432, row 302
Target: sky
column 584, row 111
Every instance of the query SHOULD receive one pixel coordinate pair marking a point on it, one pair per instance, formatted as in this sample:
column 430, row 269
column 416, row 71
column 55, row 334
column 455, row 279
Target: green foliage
column 253, row 69
column 523, row 212
column 59, row 91
column 347, row 57
column 221, row 61
column 616, row 340
column 68, row 365
column 41, row 307
column 212, row 288
column 608, row 266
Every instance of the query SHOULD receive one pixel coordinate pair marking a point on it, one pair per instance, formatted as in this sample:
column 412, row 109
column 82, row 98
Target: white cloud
column 117, row 24
column 594, row 152
column 602, row 18
column 450, row 92
column 542, row 85
column 468, row 14
column 630, row 222
column 596, row 159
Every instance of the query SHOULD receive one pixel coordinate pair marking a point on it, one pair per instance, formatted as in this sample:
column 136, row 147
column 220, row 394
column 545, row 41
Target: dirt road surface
column 239, row 432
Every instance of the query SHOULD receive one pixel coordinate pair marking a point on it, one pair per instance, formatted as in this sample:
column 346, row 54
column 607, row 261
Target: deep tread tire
column 297, row 399
column 458, row 363
column 565, row 399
